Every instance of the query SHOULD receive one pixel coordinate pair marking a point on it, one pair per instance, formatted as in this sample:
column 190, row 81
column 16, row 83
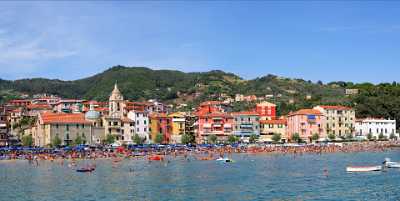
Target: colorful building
column 219, row 124
column 116, row 122
column 4, row 127
column 340, row 120
column 375, row 127
column 270, row 127
column 141, row 121
column 160, row 123
column 67, row 127
column 306, row 122
column 178, row 126
column 266, row 110
column 246, row 123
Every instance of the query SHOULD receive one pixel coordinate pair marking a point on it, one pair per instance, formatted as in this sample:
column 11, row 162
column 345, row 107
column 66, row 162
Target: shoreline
column 201, row 153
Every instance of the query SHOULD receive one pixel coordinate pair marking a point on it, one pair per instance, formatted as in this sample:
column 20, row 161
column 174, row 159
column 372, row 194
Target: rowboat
column 226, row 160
column 363, row 168
column 390, row 164
column 85, row 170
column 156, row 158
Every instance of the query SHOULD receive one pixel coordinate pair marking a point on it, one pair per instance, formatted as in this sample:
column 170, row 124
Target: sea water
column 250, row 177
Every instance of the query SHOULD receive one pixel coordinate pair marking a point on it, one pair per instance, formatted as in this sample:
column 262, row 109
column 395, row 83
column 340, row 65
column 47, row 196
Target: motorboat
column 225, row 159
column 363, row 168
column 90, row 169
column 390, row 164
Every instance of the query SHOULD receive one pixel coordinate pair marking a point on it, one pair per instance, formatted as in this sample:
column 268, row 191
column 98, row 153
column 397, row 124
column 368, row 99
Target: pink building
column 217, row 123
column 306, row 122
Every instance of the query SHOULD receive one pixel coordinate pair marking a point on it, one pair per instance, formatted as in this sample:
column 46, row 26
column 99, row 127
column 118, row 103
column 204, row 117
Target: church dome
column 116, row 94
column 92, row 114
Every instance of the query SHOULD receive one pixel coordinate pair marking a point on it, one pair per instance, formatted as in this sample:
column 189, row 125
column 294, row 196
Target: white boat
column 390, row 164
column 363, row 168
column 225, row 159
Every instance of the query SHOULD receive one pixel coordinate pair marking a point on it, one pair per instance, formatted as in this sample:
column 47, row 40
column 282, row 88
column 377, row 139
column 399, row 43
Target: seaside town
column 50, row 121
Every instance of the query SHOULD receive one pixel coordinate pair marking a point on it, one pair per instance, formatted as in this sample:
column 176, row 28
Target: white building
column 375, row 126
column 141, row 119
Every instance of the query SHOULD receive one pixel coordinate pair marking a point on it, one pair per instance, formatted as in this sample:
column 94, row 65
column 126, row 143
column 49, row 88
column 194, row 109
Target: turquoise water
column 251, row 177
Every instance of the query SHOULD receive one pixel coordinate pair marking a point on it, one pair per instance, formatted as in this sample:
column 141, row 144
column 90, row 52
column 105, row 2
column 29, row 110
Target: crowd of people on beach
column 194, row 152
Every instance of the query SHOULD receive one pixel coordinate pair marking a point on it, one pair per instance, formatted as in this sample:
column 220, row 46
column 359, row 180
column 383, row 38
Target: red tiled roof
column 158, row 115
column 245, row 113
column 214, row 114
column 275, row 121
column 39, row 106
column 19, row 101
column 306, row 112
column 49, row 118
column 335, row 107
column 125, row 119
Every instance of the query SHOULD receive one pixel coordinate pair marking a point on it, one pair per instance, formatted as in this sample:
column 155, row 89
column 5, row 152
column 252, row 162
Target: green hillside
column 140, row 83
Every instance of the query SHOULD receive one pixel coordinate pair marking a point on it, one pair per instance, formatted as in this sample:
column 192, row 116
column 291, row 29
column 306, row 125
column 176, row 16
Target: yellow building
column 269, row 127
column 178, row 126
column 340, row 120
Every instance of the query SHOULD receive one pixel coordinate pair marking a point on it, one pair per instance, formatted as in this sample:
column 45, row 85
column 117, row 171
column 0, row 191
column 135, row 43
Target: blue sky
column 328, row 41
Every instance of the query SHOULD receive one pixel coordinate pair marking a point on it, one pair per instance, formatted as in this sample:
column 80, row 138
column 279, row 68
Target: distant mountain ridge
column 144, row 83
column 171, row 86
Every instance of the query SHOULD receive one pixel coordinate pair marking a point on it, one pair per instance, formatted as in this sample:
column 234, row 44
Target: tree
column 369, row 136
column 253, row 138
column 381, row 136
column 56, row 141
column 349, row 136
column 110, row 139
column 296, row 138
column 27, row 140
column 276, row 137
column 159, row 138
column 315, row 137
column 78, row 140
column 232, row 139
column 212, row 139
column 137, row 139
column 331, row 136
column 187, row 138
column 392, row 136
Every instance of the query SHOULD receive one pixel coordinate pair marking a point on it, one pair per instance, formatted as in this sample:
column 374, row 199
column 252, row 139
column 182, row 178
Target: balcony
column 216, row 125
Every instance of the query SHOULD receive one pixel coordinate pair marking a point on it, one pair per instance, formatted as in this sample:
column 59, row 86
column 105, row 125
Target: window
column 137, row 114
column 115, row 123
column 122, row 123
column 57, row 126
column 122, row 131
column 144, row 122
column 109, row 123
column 145, row 129
column 77, row 126
column 67, row 127
column 137, row 122
column 137, row 129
